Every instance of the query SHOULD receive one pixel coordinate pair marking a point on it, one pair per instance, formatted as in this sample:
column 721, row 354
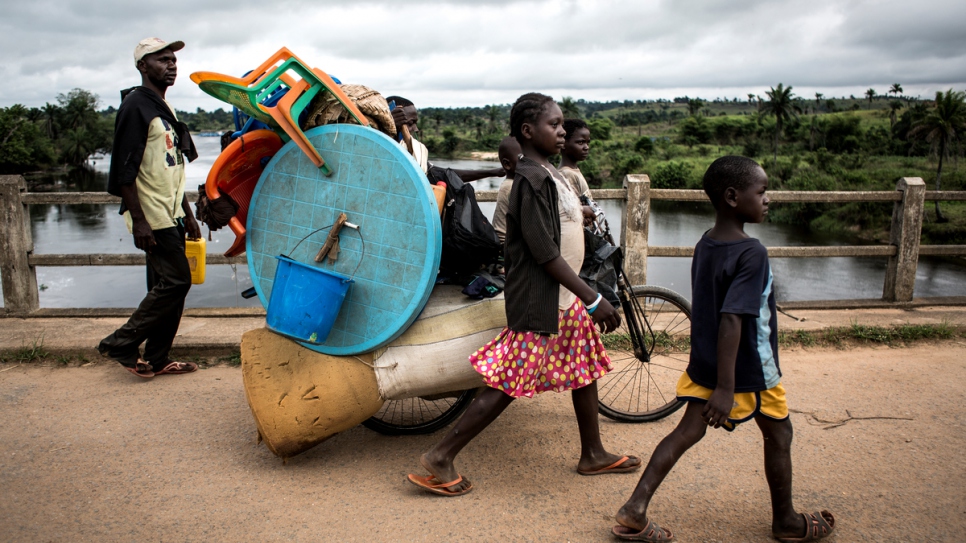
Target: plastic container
column 305, row 300
column 195, row 250
column 439, row 190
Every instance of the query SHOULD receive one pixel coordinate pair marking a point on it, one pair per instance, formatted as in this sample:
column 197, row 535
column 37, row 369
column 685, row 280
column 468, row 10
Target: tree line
column 65, row 133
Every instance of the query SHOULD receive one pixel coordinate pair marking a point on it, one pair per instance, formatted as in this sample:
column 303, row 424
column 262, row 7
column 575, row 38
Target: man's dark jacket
column 139, row 106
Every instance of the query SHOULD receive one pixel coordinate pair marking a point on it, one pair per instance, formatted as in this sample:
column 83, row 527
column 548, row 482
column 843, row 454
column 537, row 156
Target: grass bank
column 859, row 334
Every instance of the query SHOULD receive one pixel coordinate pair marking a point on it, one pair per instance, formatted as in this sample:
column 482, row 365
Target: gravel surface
column 95, row 454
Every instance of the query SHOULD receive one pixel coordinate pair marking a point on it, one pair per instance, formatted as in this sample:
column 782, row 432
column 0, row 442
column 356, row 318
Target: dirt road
column 94, row 454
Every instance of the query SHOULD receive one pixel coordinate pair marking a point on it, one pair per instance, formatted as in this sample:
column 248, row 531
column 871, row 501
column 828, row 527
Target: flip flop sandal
column 141, row 369
column 651, row 533
column 613, row 468
column 177, row 368
column 430, row 483
column 817, row 525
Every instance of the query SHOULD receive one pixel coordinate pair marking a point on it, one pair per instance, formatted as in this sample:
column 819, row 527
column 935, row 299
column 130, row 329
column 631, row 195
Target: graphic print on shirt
column 172, row 154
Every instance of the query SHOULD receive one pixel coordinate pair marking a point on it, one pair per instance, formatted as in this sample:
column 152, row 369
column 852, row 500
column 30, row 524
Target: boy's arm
column 719, row 405
column 475, row 175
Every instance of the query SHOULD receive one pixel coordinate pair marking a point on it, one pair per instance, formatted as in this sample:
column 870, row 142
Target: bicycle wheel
column 413, row 416
column 641, row 387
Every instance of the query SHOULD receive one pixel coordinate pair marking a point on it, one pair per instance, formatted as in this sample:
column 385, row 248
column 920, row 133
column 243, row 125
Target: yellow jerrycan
column 195, row 250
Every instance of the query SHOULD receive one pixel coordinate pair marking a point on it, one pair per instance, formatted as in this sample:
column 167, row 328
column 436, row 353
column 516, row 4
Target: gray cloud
column 471, row 51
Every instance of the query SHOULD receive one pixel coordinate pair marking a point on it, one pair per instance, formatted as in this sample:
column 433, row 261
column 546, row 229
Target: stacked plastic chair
column 273, row 96
column 252, row 93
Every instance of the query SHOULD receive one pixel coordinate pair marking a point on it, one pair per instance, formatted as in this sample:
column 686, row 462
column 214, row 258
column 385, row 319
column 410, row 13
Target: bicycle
column 650, row 349
column 415, row 416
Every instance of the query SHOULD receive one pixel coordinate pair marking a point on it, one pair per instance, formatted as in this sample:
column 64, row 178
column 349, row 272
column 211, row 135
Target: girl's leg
column 484, row 409
column 688, row 432
column 593, row 456
column 777, row 435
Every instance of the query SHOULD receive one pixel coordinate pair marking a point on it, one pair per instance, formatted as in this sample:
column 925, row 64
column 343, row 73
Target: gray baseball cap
column 153, row 45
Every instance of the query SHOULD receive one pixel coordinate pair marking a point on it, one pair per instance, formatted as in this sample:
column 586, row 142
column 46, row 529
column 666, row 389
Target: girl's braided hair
column 571, row 126
column 527, row 109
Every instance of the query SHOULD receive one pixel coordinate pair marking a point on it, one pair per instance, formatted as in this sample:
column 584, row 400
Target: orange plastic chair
column 253, row 76
column 248, row 92
column 236, row 172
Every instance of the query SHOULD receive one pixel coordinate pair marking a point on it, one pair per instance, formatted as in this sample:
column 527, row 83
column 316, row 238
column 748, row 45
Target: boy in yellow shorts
column 733, row 373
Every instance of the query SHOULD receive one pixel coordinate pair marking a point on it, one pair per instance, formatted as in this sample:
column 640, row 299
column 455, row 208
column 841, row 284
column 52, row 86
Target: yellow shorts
column 770, row 403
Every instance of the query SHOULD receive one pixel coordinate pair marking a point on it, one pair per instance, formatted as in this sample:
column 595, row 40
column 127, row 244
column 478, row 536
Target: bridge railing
column 18, row 262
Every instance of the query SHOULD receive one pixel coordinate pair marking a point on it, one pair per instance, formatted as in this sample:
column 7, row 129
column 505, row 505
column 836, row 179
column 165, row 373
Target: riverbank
column 93, row 453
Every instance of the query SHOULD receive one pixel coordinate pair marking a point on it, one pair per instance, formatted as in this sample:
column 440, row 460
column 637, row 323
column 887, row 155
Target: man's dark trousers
column 156, row 320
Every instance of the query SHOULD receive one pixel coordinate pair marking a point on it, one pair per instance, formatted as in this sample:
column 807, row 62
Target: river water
column 99, row 229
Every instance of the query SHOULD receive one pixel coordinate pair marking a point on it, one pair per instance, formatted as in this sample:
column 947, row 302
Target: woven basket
column 325, row 109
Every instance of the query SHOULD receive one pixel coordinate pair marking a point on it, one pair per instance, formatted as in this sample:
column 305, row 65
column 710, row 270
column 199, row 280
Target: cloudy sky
column 477, row 52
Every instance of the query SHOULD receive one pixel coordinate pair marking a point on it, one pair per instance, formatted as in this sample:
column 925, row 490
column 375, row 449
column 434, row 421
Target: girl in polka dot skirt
column 551, row 340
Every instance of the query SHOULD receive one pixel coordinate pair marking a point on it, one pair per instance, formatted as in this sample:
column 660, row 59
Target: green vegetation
column 66, row 133
column 662, row 342
column 942, row 128
column 842, row 143
column 846, row 143
column 859, row 333
column 234, row 359
column 27, row 353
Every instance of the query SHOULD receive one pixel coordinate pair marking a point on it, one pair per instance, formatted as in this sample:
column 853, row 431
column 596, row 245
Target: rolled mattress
column 300, row 397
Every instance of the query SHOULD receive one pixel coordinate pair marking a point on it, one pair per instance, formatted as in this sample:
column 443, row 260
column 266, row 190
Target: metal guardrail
column 18, row 261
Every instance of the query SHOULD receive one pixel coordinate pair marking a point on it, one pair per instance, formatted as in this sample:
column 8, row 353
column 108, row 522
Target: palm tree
column 818, row 100
column 782, row 106
column 894, row 107
column 569, row 108
column 940, row 128
column 895, row 90
column 76, row 146
column 51, row 112
column 870, row 94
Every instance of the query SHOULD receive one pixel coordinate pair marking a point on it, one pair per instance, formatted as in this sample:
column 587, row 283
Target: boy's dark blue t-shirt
column 733, row 277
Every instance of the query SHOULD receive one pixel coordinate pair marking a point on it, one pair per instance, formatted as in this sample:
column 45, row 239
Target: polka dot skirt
column 525, row 363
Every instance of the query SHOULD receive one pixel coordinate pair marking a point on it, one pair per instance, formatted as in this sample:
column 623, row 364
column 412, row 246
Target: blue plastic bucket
column 305, row 300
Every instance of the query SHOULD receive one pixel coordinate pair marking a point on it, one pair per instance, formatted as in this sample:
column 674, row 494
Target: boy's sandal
column 177, row 368
column 817, row 525
column 651, row 533
column 616, row 467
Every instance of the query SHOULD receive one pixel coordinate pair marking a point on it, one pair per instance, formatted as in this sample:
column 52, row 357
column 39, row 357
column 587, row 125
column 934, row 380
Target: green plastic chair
column 248, row 93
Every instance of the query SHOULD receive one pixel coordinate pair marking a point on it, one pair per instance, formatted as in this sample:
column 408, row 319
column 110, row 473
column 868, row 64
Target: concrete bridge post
column 635, row 220
column 18, row 276
column 900, row 278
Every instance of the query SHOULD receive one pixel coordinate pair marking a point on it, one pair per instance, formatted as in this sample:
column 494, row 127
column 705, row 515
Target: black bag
column 215, row 213
column 599, row 269
column 469, row 241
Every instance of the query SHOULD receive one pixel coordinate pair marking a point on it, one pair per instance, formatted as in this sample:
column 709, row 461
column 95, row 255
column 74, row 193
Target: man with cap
column 147, row 172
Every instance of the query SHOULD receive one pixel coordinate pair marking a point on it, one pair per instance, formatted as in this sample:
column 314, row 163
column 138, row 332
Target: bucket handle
column 348, row 225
